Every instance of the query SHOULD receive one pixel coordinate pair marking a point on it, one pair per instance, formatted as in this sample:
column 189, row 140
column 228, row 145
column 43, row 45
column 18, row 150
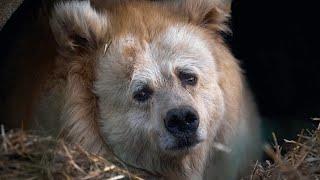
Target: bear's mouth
column 184, row 143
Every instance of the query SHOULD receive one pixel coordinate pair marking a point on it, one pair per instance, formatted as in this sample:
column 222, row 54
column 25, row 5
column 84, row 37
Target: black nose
column 182, row 121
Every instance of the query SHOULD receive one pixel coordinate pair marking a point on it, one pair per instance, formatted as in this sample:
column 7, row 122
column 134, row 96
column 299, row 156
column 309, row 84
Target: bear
column 154, row 84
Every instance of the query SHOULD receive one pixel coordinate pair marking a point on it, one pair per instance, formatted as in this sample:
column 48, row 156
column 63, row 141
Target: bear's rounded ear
column 77, row 27
column 210, row 14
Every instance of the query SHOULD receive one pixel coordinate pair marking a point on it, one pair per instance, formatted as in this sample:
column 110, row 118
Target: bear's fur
column 108, row 50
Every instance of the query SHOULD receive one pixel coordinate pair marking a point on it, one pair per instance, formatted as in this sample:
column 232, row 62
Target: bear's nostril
column 173, row 123
column 182, row 121
column 190, row 118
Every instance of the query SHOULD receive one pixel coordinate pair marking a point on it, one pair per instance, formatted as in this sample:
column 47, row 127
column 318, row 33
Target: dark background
column 276, row 42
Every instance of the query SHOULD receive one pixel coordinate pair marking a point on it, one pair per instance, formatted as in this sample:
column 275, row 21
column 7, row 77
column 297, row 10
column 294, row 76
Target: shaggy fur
column 110, row 49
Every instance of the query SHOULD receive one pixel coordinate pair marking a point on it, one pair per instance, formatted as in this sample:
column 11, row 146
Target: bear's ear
column 77, row 27
column 210, row 14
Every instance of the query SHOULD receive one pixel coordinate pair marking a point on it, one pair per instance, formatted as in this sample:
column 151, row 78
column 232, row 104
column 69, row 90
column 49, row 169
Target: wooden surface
column 7, row 8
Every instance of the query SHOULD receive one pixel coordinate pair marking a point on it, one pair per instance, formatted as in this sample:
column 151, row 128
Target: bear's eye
column 188, row 78
column 143, row 94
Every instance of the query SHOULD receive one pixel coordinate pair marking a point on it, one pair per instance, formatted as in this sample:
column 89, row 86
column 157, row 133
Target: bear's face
column 161, row 94
column 153, row 73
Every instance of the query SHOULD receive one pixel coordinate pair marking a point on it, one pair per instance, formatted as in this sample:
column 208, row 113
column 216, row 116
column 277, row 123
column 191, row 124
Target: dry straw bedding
column 28, row 156
column 300, row 161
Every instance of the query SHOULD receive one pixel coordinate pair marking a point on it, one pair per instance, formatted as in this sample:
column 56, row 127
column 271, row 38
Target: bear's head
column 150, row 80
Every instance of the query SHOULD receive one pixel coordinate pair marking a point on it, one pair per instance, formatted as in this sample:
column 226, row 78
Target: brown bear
column 152, row 83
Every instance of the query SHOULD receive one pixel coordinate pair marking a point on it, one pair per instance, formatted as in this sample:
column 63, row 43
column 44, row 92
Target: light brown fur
column 105, row 52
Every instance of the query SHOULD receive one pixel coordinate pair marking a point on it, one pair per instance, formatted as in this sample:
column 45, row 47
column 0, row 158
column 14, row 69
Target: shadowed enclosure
column 276, row 42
